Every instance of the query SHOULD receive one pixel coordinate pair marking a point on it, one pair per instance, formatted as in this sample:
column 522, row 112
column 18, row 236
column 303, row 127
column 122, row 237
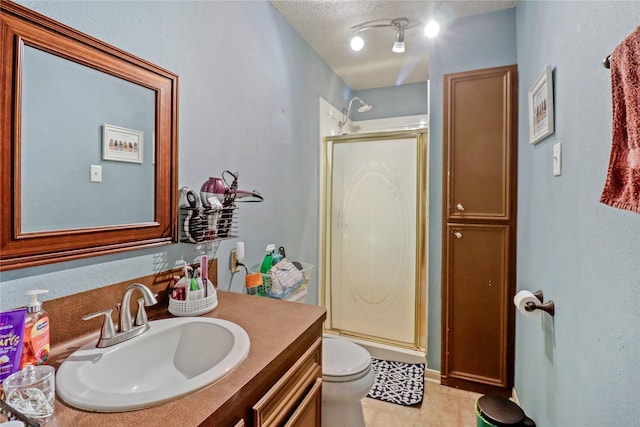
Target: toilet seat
column 343, row 360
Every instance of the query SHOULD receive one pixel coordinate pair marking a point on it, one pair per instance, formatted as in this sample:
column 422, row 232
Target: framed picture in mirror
column 122, row 144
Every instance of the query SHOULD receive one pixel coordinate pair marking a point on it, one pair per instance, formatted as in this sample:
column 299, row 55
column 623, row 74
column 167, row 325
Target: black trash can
column 495, row 411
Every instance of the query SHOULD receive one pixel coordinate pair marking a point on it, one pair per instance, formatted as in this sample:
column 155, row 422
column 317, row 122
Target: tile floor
column 441, row 407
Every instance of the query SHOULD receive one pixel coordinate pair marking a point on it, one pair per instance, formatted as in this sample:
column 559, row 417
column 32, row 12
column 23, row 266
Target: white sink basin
column 173, row 358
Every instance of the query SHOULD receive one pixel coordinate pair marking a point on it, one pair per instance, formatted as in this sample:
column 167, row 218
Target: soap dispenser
column 36, row 332
column 268, row 259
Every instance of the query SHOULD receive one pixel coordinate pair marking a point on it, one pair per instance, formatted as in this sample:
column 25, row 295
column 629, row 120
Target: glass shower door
column 372, row 248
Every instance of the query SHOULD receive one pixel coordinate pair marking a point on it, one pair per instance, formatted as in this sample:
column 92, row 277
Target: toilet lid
column 343, row 359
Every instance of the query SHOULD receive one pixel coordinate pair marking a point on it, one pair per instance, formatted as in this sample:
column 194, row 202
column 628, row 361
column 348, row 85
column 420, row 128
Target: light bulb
column 357, row 43
column 431, row 29
column 398, row 47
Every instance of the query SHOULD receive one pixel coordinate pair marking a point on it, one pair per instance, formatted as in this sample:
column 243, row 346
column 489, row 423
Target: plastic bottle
column 277, row 256
column 36, row 332
column 268, row 259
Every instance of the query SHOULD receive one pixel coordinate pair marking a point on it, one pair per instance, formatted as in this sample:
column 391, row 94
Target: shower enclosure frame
column 421, row 228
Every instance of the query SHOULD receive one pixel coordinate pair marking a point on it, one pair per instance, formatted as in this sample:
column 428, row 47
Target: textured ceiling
column 326, row 26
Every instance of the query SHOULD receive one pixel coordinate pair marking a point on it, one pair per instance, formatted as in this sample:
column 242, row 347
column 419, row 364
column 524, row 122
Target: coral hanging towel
column 622, row 188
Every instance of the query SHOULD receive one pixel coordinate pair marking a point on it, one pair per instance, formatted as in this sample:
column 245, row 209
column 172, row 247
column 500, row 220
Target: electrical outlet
column 234, row 265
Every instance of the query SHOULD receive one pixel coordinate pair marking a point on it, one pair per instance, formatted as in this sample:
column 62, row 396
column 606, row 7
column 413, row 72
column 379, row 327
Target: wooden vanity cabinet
column 278, row 384
column 296, row 399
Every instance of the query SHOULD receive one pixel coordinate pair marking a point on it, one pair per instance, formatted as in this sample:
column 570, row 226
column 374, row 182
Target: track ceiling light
column 399, row 25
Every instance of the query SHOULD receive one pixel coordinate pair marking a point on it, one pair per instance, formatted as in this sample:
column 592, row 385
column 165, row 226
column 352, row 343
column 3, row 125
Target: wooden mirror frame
column 21, row 26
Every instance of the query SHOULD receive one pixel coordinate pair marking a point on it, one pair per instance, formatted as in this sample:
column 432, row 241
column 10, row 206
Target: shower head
column 363, row 105
column 363, row 108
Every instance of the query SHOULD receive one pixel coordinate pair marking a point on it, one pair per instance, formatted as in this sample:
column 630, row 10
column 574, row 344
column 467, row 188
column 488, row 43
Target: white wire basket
column 265, row 288
column 195, row 305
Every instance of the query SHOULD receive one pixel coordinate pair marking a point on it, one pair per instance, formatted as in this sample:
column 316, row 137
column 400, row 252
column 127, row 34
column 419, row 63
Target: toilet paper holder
column 548, row 306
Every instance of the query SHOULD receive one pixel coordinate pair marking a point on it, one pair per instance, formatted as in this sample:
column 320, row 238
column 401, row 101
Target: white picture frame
column 541, row 123
column 121, row 144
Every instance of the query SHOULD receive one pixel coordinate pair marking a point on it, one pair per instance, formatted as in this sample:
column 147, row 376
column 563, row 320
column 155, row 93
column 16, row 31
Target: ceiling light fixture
column 431, row 29
column 400, row 25
column 357, row 43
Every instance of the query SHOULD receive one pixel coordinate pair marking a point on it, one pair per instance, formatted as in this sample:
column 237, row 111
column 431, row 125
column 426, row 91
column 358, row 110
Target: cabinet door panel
column 477, row 303
column 308, row 413
column 281, row 401
column 478, row 137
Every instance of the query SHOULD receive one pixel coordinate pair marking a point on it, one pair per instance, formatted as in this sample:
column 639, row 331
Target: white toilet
column 347, row 377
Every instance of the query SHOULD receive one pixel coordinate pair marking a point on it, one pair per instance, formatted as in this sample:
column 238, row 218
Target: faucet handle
column 108, row 329
column 141, row 315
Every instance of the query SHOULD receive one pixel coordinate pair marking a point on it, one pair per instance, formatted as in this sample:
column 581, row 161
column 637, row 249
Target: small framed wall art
column 122, row 144
column 541, row 107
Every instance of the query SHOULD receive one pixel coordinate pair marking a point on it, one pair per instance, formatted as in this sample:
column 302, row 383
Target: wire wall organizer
column 200, row 225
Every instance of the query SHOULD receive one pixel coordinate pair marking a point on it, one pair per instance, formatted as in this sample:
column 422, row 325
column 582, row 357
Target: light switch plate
column 96, row 173
column 557, row 159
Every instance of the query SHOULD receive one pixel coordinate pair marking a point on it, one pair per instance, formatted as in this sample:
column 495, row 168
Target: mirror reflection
column 75, row 172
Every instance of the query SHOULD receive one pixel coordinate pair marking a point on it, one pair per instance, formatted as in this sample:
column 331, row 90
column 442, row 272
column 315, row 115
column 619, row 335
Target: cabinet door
column 479, row 143
column 297, row 388
column 477, row 324
column 309, row 412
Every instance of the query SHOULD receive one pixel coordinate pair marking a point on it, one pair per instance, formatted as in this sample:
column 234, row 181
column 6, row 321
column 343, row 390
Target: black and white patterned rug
column 397, row 382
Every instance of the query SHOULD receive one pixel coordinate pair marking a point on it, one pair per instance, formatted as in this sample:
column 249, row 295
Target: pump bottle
column 36, row 332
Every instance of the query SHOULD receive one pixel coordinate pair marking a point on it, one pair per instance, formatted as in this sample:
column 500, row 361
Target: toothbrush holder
column 195, row 306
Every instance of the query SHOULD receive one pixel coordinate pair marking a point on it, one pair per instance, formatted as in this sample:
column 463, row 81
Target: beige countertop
column 278, row 331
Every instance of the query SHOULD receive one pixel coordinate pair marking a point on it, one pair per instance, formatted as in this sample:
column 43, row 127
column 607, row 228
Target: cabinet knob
column 458, row 234
column 460, row 207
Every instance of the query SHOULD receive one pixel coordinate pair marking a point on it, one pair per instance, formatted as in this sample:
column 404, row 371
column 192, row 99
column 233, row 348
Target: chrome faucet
column 125, row 311
column 126, row 331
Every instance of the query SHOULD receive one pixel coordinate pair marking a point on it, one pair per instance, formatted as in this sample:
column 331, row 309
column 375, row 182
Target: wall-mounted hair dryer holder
column 548, row 306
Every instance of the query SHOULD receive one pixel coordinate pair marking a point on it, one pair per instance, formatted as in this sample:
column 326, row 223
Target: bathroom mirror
column 88, row 144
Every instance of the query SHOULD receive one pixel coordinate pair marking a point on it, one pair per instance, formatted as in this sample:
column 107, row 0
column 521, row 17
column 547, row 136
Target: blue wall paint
column 392, row 101
column 470, row 43
column 241, row 109
column 581, row 367
column 249, row 88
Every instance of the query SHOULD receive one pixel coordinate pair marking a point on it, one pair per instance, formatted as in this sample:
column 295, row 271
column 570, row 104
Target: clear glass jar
column 32, row 392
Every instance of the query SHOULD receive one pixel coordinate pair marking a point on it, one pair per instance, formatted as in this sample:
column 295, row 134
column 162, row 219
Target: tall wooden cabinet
column 479, row 229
